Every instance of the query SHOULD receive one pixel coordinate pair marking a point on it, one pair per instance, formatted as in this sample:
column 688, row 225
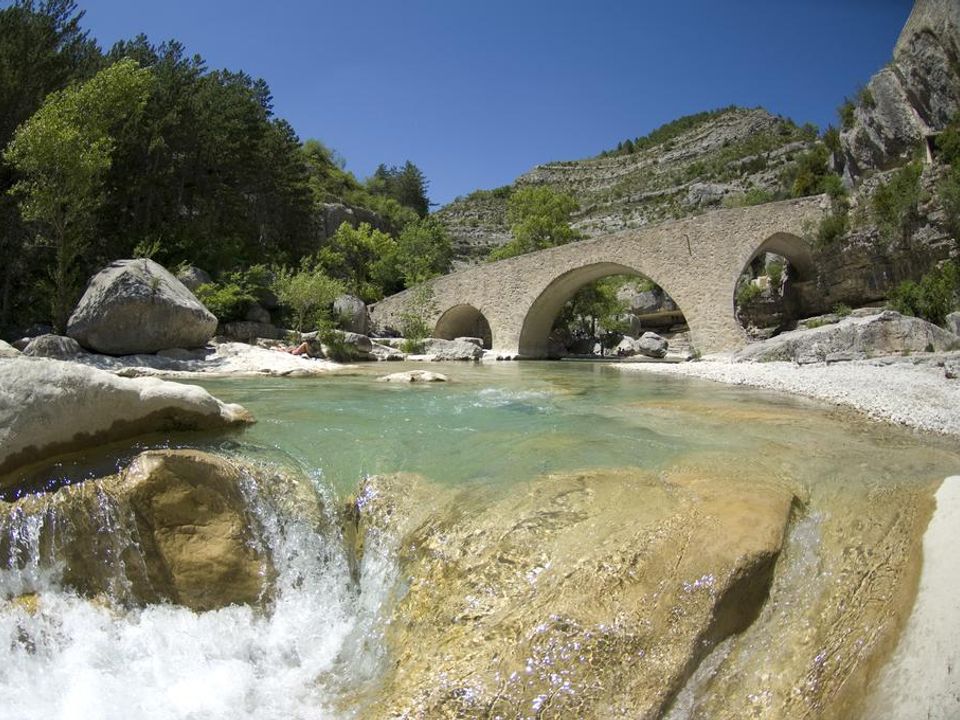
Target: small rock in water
column 414, row 376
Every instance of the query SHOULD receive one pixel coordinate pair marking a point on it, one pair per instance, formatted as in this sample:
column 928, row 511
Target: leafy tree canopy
column 539, row 218
column 63, row 153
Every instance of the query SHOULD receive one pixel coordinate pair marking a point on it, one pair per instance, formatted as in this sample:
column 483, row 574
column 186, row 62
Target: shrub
column 753, row 196
column 842, row 309
column 306, row 295
column 933, row 298
column 774, row 271
column 846, row 114
column 832, row 227
column 949, row 191
column 895, row 204
column 229, row 301
column 747, row 293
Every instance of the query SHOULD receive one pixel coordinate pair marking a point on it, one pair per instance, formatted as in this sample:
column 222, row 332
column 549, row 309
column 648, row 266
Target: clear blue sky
column 476, row 93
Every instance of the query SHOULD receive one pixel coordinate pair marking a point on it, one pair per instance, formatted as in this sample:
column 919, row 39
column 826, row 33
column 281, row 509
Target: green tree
column 423, row 251
column 208, row 174
column 63, row 153
column 895, row 204
column 595, row 309
column 42, row 49
column 307, row 295
column 539, row 218
column 406, row 185
column 364, row 259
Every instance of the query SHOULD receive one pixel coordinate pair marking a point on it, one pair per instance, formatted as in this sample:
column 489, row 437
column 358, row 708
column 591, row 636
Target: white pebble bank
column 916, row 396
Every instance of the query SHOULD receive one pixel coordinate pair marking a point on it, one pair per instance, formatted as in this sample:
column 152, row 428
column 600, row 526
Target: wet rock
column 174, row 526
column 136, row 306
column 885, row 334
column 414, row 376
column 452, row 350
column 48, row 407
column 651, row 345
column 597, row 592
column 352, row 312
column 53, row 346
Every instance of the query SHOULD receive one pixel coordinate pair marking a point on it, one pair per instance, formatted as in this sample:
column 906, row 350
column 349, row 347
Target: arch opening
column 464, row 321
column 562, row 320
column 769, row 296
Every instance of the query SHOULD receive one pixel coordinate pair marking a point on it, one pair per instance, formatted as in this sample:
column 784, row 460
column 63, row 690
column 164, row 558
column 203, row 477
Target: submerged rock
column 597, row 593
column 49, row 407
column 682, row 594
column 174, row 526
column 413, row 376
column 136, row 306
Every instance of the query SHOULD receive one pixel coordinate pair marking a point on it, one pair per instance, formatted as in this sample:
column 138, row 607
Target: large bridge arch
column 535, row 331
column 697, row 260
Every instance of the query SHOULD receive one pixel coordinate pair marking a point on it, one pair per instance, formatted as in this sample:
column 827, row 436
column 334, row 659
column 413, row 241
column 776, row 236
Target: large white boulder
column 136, row 306
column 48, row 407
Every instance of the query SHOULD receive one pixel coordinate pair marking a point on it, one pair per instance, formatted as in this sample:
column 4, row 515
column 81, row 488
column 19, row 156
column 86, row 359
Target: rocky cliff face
column 729, row 154
column 914, row 96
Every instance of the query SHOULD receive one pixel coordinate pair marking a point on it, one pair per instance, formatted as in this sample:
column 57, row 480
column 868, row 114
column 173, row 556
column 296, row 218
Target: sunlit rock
column 137, row 306
column 594, row 594
column 175, row 526
column 49, row 407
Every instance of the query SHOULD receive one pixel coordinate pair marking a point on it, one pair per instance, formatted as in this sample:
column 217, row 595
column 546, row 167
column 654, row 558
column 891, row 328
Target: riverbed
column 320, row 651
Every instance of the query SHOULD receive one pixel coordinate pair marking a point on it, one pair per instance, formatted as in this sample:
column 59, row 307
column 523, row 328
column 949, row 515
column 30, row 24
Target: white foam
column 76, row 659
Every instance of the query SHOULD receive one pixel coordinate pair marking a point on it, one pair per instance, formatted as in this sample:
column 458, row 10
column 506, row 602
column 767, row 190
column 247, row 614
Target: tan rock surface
column 590, row 595
column 174, row 526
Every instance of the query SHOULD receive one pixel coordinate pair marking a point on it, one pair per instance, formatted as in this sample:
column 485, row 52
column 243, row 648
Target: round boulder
column 136, row 306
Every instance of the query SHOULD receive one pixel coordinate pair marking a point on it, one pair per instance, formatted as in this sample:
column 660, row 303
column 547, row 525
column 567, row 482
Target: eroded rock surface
column 916, row 94
column 49, row 407
column 589, row 595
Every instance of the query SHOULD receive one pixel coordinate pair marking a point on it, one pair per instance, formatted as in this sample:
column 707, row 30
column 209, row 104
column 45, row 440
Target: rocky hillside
column 914, row 97
column 730, row 156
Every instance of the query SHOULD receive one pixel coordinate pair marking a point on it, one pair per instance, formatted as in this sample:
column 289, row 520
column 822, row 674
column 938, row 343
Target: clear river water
column 492, row 424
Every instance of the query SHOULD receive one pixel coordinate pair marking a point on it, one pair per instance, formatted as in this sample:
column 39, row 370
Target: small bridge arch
column 464, row 320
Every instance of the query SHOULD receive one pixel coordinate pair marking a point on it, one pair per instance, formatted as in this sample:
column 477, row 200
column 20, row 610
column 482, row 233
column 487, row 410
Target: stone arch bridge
column 696, row 260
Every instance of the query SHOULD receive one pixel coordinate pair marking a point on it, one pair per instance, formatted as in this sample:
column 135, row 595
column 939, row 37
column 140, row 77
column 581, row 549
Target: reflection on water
column 496, row 424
